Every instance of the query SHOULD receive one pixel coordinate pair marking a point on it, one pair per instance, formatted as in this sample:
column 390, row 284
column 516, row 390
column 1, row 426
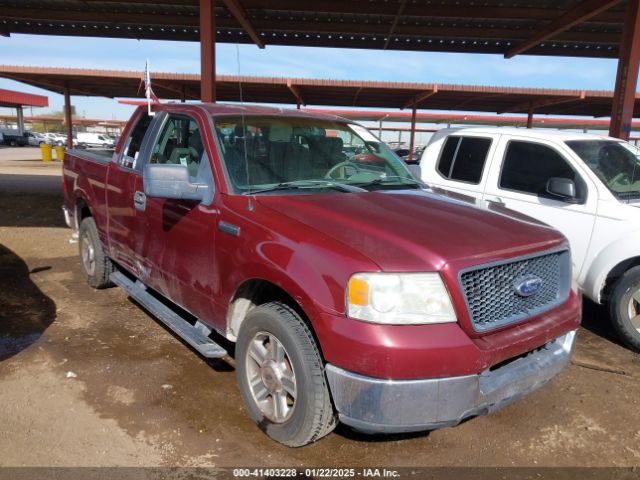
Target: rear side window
column 463, row 158
column 528, row 167
column 134, row 142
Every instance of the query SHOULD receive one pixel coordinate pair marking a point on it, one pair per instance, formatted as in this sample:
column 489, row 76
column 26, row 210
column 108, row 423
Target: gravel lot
column 92, row 380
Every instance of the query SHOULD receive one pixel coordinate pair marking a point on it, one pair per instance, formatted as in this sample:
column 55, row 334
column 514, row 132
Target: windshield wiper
column 301, row 184
column 393, row 180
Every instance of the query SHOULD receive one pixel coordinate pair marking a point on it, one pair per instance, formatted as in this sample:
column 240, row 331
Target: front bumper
column 390, row 406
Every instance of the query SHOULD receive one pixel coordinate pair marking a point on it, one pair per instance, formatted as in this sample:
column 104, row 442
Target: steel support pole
column 380, row 130
column 207, row 51
column 20, row 119
column 412, row 137
column 530, row 116
column 67, row 117
column 624, row 96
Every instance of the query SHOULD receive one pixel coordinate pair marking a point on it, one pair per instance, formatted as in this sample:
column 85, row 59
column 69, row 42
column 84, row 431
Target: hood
column 416, row 230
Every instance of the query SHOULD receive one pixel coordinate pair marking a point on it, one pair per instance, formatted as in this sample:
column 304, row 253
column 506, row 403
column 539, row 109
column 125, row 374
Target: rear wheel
column 625, row 308
column 94, row 263
column 281, row 376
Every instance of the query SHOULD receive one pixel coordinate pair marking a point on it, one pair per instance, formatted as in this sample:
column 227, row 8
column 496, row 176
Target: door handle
column 139, row 201
column 495, row 199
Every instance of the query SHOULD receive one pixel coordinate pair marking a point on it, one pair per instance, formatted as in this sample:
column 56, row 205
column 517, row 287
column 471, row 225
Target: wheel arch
column 259, row 291
column 612, row 261
column 615, row 273
column 82, row 209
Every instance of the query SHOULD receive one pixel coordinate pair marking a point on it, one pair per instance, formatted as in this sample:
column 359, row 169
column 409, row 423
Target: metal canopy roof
column 544, row 27
column 109, row 83
column 11, row 99
column 469, row 119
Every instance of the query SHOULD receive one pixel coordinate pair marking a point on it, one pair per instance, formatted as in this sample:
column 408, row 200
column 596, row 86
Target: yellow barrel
column 45, row 151
column 59, row 152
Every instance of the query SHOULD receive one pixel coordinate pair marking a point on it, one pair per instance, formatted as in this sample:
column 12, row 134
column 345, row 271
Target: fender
column 613, row 254
column 306, row 272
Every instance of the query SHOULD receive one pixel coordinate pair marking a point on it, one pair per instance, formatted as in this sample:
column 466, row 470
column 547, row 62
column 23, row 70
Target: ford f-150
column 352, row 291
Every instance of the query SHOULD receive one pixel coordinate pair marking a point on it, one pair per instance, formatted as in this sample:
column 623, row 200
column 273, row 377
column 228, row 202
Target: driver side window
column 180, row 143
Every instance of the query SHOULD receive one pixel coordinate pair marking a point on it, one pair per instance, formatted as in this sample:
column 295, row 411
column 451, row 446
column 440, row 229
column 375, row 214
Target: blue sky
column 183, row 57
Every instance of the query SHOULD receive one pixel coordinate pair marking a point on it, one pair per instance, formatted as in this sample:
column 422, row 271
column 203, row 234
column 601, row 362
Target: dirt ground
column 92, row 380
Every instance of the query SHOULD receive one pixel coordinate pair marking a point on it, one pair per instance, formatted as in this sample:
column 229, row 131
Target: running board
column 197, row 336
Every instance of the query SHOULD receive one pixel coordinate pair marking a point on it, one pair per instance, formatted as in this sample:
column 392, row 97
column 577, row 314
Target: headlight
column 399, row 299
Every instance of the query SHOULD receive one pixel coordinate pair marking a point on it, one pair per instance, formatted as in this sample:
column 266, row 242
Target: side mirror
column 172, row 181
column 416, row 171
column 562, row 187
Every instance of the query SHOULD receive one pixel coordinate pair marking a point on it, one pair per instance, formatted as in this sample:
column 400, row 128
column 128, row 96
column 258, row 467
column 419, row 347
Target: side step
column 197, row 336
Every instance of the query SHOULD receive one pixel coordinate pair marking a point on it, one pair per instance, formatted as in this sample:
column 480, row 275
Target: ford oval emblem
column 527, row 285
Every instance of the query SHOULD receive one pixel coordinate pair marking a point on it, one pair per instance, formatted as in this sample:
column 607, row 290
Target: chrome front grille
column 491, row 292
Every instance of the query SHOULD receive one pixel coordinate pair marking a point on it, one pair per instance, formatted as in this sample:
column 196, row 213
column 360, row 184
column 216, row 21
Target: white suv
column 586, row 186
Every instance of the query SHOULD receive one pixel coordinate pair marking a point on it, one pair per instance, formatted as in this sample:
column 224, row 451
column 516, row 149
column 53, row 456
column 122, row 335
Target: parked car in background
column 400, row 151
column 56, row 138
column 96, row 140
column 352, row 293
column 13, row 138
column 35, row 138
column 586, row 186
column 403, row 154
column 413, row 159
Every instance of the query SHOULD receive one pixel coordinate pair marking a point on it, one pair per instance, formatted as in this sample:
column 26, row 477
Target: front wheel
column 625, row 308
column 94, row 263
column 281, row 376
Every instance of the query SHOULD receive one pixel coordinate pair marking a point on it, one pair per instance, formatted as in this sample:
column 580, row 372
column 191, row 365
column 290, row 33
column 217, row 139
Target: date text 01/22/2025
column 316, row 472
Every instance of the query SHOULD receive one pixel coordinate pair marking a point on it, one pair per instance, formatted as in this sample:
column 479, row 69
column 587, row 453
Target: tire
column 295, row 376
column 94, row 263
column 13, row 143
column 624, row 308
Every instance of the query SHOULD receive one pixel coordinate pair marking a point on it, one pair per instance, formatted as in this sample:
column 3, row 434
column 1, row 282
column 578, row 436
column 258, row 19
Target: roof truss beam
column 578, row 14
column 534, row 105
column 416, row 99
column 296, row 93
column 394, row 24
column 240, row 14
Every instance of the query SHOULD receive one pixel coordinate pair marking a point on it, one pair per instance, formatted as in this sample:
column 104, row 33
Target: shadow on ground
column 29, row 210
column 595, row 318
column 25, row 312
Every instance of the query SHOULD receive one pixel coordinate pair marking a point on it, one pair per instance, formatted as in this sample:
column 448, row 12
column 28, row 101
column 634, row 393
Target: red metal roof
column 590, row 28
column 469, row 119
column 318, row 92
column 9, row 98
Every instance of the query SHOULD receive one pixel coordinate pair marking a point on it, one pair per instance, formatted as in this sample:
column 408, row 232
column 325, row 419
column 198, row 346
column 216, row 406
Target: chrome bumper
column 377, row 405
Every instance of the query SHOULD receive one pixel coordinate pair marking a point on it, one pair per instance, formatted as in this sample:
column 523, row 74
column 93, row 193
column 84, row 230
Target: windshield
column 616, row 163
column 289, row 155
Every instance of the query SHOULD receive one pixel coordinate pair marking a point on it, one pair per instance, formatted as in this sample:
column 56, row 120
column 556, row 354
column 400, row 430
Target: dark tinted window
column 463, row 158
column 529, row 166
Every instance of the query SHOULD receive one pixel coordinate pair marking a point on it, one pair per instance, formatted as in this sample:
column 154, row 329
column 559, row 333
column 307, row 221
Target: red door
column 176, row 246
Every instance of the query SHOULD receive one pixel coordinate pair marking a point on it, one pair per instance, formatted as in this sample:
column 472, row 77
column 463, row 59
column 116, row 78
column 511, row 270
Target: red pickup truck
column 352, row 291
